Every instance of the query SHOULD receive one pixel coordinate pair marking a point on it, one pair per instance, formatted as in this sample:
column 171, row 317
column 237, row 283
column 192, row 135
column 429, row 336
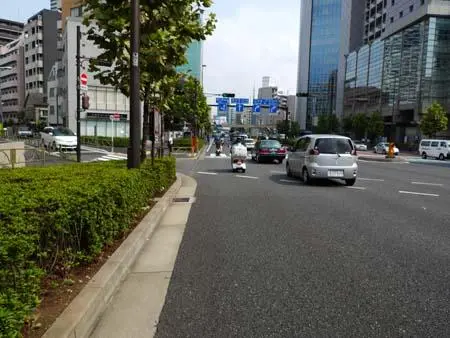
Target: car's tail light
column 314, row 152
column 354, row 152
column 281, row 150
column 264, row 151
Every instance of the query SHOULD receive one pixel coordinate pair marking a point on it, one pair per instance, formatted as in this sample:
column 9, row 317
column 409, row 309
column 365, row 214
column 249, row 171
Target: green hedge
column 55, row 218
column 121, row 142
column 187, row 142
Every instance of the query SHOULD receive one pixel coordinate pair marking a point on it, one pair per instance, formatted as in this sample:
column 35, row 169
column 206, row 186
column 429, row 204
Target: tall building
column 42, row 32
column 405, row 71
column 194, row 56
column 329, row 29
column 55, row 5
column 9, row 31
column 12, row 89
column 70, row 8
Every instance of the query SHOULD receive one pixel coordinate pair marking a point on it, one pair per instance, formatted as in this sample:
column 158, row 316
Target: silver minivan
column 326, row 156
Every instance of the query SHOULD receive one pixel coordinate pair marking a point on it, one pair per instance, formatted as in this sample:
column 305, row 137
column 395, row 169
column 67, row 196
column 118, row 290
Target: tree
column 289, row 128
column 434, row 121
column 375, row 127
column 328, row 123
column 360, row 124
column 189, row 104
column 347, row 123
column 167, row 28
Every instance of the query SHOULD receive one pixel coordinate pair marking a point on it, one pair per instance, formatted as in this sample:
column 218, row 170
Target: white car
column 249, row 143
column 383, row 148
column 360, row 146
column 58, row 139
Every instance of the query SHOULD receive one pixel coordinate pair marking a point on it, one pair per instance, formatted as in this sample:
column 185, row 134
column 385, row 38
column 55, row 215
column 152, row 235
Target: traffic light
column 85, row 102
column 228, row 95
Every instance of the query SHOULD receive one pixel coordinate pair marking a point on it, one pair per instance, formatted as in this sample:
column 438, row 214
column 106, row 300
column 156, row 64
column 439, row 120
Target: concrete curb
column 381, row 159
column 80, row 317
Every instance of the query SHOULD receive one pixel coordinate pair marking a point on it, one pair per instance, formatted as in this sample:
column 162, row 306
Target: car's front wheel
column 288, row 170
column 305, row 176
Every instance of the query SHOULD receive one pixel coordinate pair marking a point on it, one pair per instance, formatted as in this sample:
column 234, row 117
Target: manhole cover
column 181, row 200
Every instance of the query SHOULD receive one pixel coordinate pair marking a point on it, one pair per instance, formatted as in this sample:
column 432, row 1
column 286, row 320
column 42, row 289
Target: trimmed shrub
column 186, row 142
column 55, row 218
column 121, row 142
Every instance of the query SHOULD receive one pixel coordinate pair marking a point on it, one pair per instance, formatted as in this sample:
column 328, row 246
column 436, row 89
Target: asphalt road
column 266, row 256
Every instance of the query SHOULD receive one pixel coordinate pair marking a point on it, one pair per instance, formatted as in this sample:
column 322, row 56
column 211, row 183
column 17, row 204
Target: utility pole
column 78, row 57
column 135, row 104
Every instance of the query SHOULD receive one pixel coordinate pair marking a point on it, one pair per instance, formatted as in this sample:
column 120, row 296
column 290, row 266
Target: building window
column 400, row 15
column 411, row 8
column 52, row 92
column 52, row 110
column 392, row 19
column 422, row 2
column 393, row 3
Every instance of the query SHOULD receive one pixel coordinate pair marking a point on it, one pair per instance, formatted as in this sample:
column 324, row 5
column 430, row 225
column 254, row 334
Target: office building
column 54, row 92
column 55, row 5
column 402, row 73
column 329, row 29
column 9, row 31
column 104, row 100
column 70, row 8
column 12, row 79
column 194, row 56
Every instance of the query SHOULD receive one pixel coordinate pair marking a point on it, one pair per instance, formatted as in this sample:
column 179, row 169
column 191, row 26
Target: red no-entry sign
column 83, row 80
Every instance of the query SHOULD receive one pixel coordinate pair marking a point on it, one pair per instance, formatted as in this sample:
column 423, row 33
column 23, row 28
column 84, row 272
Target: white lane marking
column 424, row 183
column 245, row 176
column 289, row 181
column 371, row 179
column 209, row 147
column 417, row 193
column 205, row 173
column 277, row 172
column 357, row 188
column 220, row 156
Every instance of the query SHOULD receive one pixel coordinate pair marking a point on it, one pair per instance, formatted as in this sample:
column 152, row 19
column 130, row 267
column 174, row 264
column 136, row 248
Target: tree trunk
column 161, row 137
column 152, row 133
column 145, row 130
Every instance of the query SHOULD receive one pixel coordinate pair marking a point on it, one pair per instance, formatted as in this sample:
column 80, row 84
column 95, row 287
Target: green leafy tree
column 434, row 121
column 347, row 123
column 290, row 128
column 167, row 28
column 189, row 104
column 327, row 123
column 360, row 124
column 375, row 126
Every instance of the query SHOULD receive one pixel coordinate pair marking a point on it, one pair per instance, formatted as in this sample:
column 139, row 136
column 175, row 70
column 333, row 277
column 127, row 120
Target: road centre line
column 277, row 172
column 417, row 193
column 205, row 173
column 425, row 183
column 370, row 179
column 356, row 188
column 244, row 176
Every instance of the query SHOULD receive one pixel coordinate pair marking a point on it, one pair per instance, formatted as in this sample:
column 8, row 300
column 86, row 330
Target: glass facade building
column 401, row 76
column 194, row 57
column 324, row 57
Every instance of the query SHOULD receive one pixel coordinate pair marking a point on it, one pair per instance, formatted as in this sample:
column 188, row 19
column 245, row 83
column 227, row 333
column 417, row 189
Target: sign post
column 115, row 117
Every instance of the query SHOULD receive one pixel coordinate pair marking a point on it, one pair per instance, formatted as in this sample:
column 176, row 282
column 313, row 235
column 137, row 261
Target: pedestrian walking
column 170, row 143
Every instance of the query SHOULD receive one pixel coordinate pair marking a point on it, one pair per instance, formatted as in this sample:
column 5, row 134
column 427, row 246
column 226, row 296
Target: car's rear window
column 270, row 144
column 333, row 145
column 249, row 141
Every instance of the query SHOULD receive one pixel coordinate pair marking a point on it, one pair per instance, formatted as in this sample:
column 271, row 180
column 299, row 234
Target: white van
column 435, row 148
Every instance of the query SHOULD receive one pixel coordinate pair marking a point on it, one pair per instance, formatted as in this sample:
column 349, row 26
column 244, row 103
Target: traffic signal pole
column 78, row 61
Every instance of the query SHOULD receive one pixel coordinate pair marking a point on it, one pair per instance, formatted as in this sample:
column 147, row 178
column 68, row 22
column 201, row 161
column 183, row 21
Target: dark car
column 268, row 150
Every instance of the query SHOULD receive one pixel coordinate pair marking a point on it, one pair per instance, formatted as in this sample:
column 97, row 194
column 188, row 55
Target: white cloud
column 256, row 41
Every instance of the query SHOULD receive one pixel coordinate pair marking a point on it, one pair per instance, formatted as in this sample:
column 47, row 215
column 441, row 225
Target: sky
column 253, row 38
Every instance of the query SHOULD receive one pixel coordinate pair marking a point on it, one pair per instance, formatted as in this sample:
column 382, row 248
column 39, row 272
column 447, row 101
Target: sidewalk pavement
column 135, row 308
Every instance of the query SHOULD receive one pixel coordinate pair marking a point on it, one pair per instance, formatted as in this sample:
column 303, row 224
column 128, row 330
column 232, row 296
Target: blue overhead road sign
column 239, row 100
column 239, row 107
column 223, row 106
column 273, row 109
column 256, row 108
column 222, row 100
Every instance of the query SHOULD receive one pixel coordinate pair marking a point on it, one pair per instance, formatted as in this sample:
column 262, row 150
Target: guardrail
column 21, row 157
